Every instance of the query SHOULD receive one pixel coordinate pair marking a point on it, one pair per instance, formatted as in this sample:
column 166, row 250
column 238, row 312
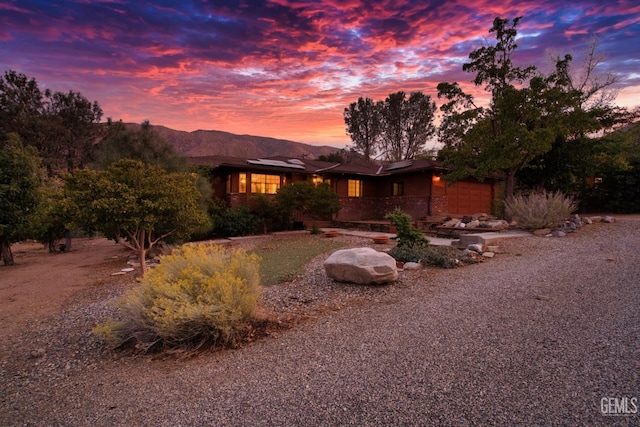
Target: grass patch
column 284, row 257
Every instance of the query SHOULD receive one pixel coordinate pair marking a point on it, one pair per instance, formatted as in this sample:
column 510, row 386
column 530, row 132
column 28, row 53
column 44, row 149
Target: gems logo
column 619, row 406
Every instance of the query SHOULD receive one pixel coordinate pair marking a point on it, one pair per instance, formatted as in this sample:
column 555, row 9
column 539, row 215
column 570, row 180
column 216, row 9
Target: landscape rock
column 452, row 222
column 488, row 254
column 475, row 247
column 497, row 224
column 541, row 232
column 466, row 219
column 596, row 218
column 608, row 219
column 364, row 266
column 412, row 266
column 558, row 233
column 474, row 223
column 588, row 220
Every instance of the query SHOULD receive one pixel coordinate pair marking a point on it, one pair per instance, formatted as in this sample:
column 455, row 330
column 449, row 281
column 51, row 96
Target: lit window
column 243, row 183
column 397, row 189
column 265, row 184
column 355, row 188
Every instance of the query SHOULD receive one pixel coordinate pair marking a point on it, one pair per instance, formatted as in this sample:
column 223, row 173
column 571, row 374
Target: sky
column 288, row 68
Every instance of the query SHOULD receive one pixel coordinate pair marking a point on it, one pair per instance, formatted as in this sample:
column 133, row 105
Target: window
column 266, row 184
column 397, row 189
column 243, row 183
column 355, row 188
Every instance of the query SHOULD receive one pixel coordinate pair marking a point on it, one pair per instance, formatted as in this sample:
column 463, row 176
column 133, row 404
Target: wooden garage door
column 468, row 198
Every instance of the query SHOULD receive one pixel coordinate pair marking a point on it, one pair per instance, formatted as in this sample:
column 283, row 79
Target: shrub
column 407, row 235
column 199, row 295
column 231, row 222
column 540, row 210
column 437, row 256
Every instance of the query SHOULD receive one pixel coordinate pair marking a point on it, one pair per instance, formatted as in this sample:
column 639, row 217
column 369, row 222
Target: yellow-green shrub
column 200, row 294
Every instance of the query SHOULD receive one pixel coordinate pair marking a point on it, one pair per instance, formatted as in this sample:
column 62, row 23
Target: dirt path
column 39, row 282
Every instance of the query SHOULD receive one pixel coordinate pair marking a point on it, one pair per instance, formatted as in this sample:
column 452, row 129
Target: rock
column 475, row 247
column 488, row 254
column 608, row 219
column 451, row 223
column 541, row 232
column 481, row 217
column 497, row 224
column 473, row 224
column 461, row 225
column 494, row 249
column 596, row 218
column 119, row 273
column 127, row 270
column 363, row 266
column 466, row 219
column 37, row 354
column 558, row 233
column 412, row 266
column 133, row 263
column 587, row 220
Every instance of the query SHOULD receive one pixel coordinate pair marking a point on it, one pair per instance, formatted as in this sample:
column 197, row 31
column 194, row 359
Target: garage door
column 467, row 198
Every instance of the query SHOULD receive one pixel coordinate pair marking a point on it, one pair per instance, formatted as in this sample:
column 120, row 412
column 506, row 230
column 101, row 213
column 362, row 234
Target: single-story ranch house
column 367, row 190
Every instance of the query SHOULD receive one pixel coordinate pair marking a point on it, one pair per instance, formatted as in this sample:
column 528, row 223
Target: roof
column 311, row 166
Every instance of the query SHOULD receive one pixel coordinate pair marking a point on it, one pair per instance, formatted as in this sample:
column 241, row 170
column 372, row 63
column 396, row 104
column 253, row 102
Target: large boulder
column 364, row 266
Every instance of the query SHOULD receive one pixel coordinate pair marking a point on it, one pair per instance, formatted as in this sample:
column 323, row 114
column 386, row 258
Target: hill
column 201, row 143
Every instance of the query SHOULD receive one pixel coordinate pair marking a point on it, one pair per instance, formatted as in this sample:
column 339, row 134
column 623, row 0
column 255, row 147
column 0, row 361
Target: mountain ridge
column 201, row 143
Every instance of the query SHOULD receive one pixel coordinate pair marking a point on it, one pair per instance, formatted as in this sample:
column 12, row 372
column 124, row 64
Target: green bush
column 436, row 256
column 407, row 235
column 540, row 210
column 231, row 222
column 199, row 295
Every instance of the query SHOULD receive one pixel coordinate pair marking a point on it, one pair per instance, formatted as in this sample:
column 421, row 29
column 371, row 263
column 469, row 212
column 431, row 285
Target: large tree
column 137, row 204
column 364, row 126
column 407, row 124
column 522, row 120
column 20, row 182
column 142, row 144
column 72, row 130
column 61, row 126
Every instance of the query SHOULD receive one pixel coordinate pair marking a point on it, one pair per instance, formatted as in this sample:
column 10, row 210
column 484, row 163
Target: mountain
column 201, row 143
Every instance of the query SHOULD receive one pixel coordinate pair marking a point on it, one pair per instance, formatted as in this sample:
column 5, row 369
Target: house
column 367, row 190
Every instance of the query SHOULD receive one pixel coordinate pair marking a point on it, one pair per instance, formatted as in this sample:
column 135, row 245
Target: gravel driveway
column 538, row 335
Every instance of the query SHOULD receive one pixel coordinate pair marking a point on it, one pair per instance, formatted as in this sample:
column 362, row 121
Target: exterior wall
column 424, row 194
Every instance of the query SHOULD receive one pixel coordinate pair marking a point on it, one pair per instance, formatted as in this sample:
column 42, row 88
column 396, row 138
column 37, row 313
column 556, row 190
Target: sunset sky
column 288, row 68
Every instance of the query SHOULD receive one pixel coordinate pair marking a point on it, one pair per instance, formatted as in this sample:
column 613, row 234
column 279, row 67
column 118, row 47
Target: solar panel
column 399, row 165
column 275, row 163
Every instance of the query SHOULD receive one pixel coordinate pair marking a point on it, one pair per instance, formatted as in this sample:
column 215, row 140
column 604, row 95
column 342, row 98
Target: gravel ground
column 536, row 336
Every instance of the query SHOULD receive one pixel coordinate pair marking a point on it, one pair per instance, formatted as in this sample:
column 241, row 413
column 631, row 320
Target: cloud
column 285, row 68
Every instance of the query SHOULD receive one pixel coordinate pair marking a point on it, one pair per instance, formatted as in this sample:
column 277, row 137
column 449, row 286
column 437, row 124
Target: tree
column 137, row 204
column 144, row 145
column 20, row 181
column 73, row 127
column 61, row 126
column 364, row 126
column 522, row 120
column 407, row 124
column 577, row 149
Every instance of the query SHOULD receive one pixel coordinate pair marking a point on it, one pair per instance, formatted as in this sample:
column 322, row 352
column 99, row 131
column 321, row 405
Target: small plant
column 407, row 235
column 436, row 256
column 199, row 295
column 540, row 210
column 315, row 228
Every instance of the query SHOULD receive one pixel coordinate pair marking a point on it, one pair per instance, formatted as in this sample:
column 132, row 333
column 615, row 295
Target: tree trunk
column 511, row 184
column 5, row 249
column 143, row 259
column 67, row 241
